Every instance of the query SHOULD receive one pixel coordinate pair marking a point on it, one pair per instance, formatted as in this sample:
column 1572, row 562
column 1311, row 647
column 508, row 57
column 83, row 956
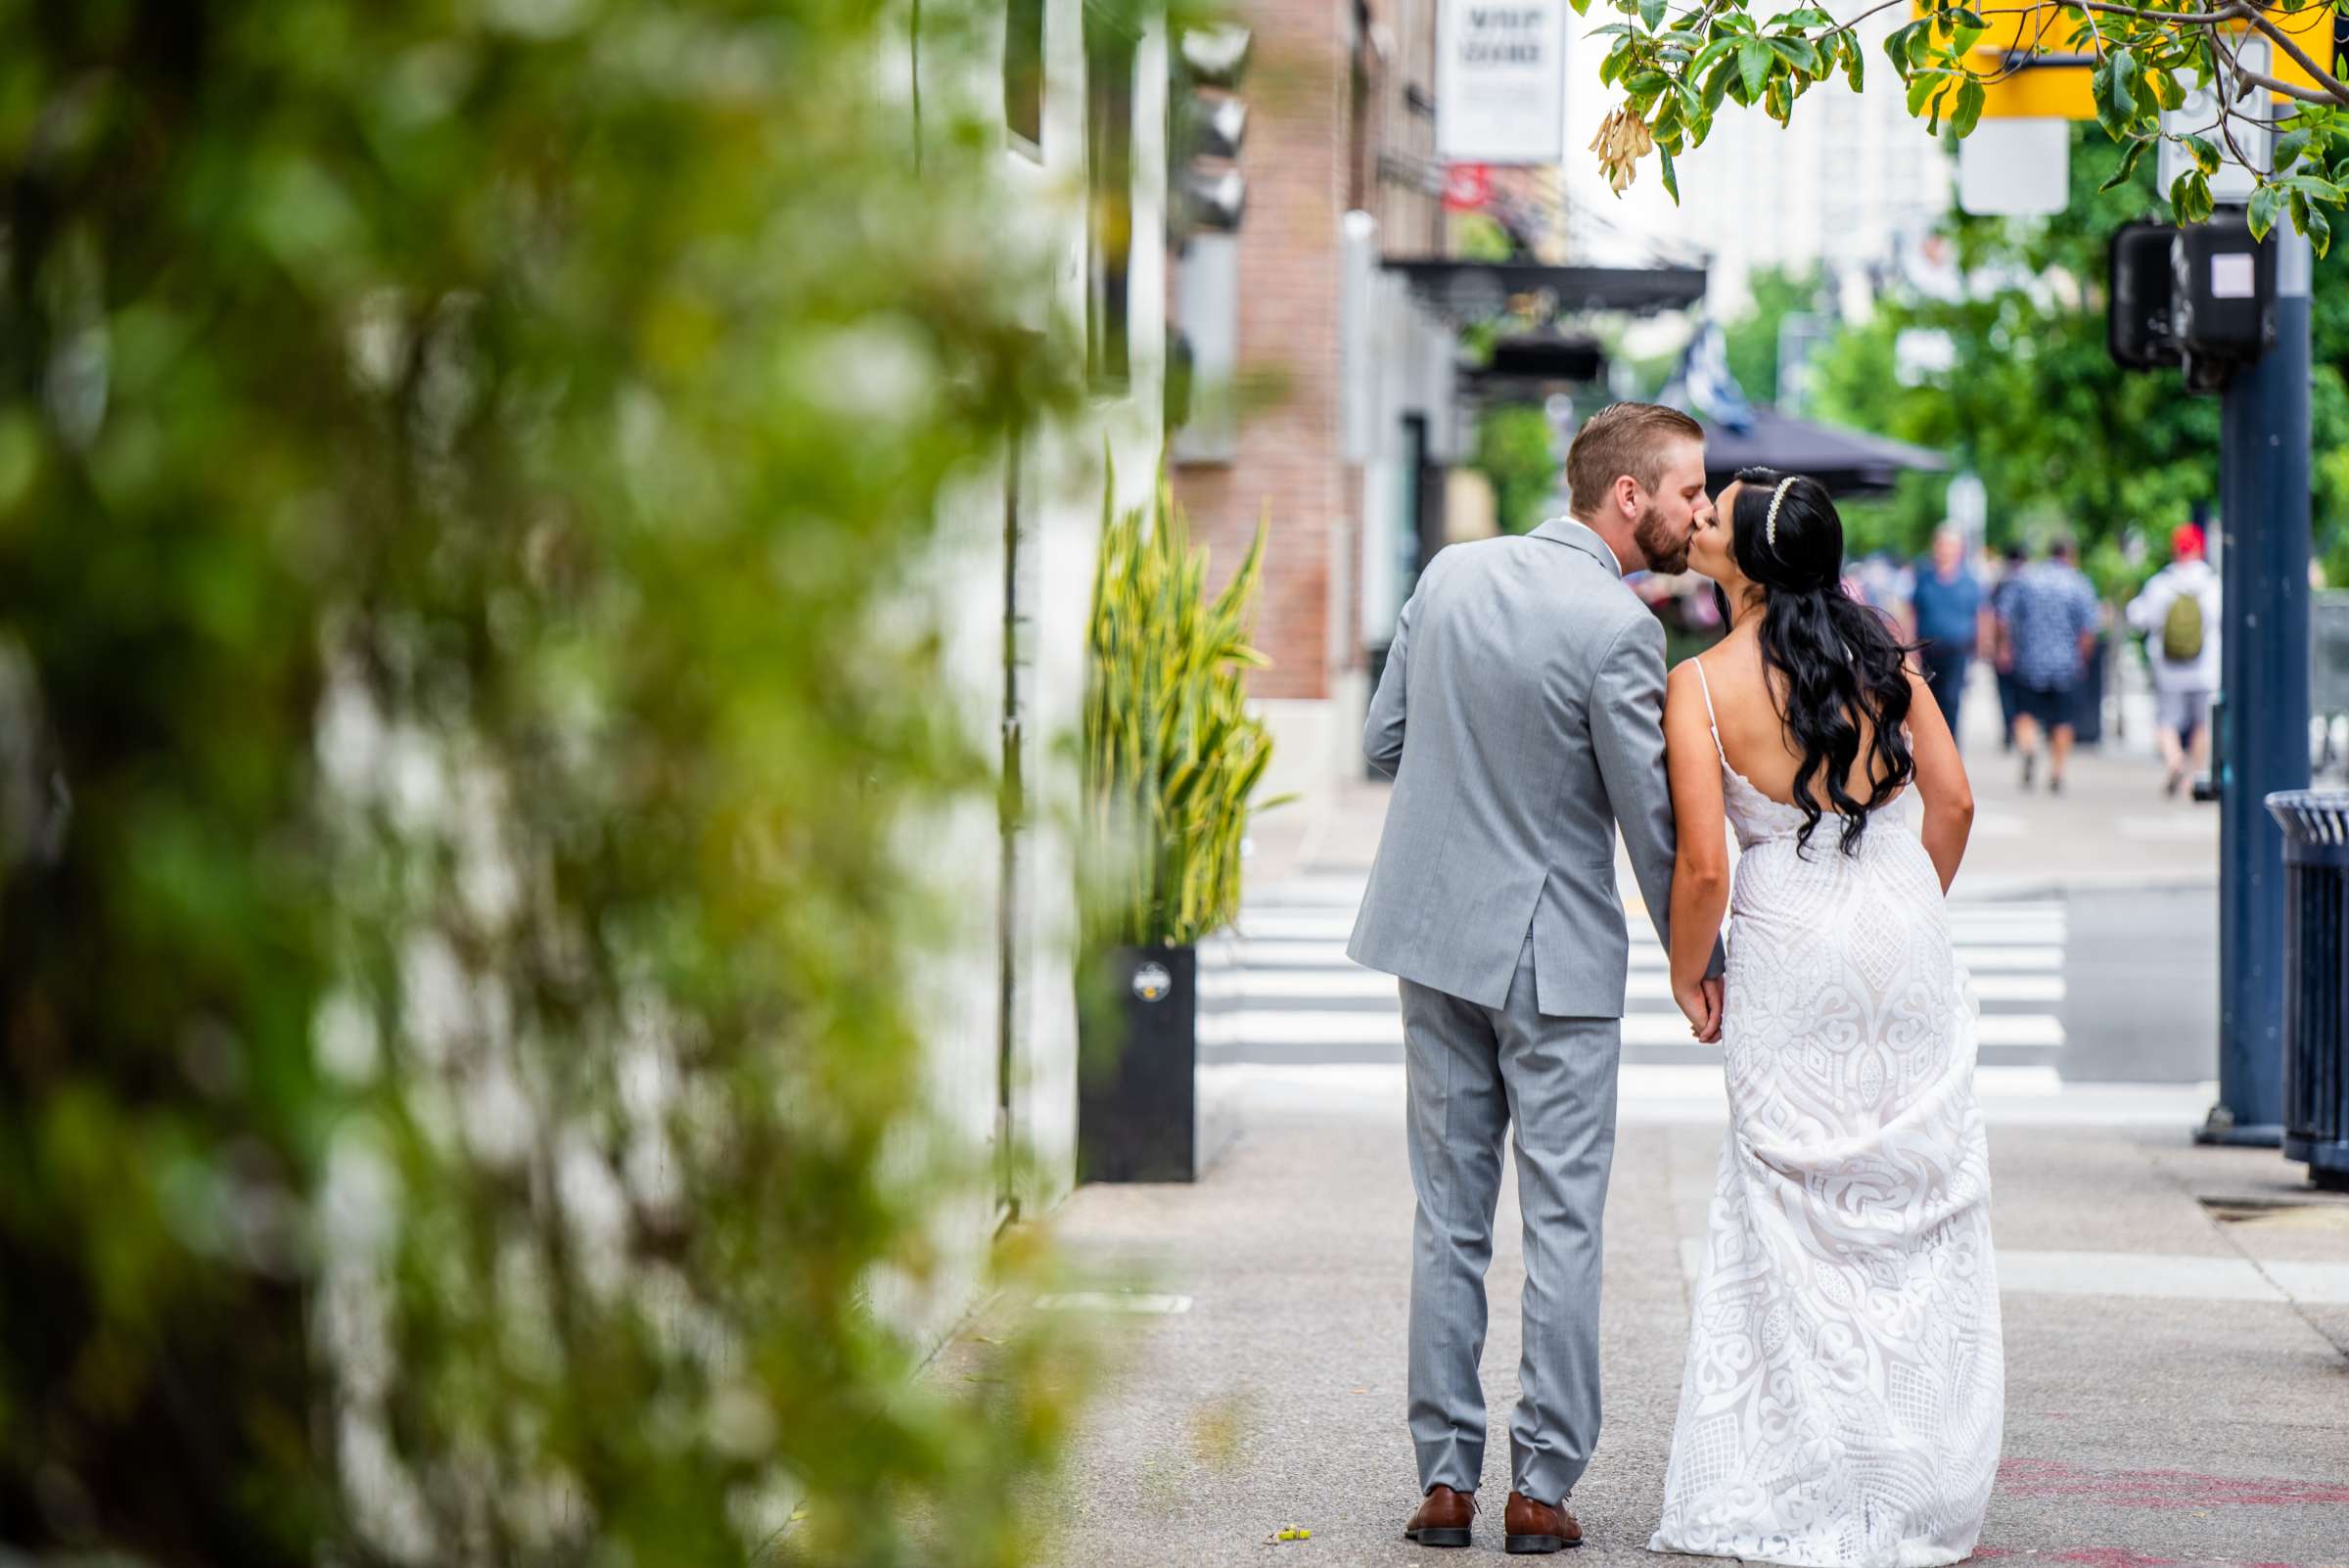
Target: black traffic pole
column 2262, row 724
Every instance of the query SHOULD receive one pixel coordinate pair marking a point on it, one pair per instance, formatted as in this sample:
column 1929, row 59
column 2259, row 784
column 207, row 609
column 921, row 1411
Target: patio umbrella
column 1848, row 462
column 1742, row 434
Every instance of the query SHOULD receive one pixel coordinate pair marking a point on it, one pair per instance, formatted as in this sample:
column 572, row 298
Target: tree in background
column 1515, row 451
column 1677, row 66
column 466, row 475
column 1752, row 339
column 2062, row 437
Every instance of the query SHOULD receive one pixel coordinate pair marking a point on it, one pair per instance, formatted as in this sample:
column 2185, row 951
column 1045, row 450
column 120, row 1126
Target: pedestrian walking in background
column 1945, row 618
column 2001, row 652
column 2049, row 618
column 2179, row 614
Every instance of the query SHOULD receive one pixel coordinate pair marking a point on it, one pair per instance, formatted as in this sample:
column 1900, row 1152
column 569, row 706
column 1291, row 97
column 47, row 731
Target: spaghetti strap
column 1712, row 722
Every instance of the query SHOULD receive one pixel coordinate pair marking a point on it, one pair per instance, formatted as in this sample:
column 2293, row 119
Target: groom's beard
column 1667, row 551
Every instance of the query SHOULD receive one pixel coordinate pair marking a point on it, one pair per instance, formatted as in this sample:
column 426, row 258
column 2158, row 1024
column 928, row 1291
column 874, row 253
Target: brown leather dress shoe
column 1537, row 1527
column 1443, row 1517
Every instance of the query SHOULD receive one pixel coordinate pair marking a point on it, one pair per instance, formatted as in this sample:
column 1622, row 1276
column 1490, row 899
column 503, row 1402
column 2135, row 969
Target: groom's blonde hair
column 1622, row 438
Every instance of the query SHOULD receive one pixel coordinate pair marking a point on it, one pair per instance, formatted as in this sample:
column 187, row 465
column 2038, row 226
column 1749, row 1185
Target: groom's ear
column 1626, row 496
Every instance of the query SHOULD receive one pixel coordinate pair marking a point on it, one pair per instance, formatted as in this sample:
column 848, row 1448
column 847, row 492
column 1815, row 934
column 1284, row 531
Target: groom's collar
column 1580, row 537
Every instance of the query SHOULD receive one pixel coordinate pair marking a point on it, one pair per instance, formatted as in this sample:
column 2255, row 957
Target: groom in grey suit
column 1521, row 716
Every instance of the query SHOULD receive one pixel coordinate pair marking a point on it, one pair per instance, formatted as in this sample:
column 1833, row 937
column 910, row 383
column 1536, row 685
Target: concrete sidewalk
column 2177, row 1326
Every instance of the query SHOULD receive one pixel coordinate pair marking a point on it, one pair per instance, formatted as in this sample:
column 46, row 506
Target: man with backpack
column 2179, row 614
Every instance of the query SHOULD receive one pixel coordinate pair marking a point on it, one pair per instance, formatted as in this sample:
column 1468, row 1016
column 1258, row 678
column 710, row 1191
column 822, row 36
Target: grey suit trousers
column 1474, row 1071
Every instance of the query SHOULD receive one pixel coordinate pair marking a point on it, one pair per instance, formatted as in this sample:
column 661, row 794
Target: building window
column 1024, row 75
column 1110, row 43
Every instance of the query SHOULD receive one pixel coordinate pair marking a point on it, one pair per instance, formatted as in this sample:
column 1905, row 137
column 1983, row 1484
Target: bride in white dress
column 1844, row 1392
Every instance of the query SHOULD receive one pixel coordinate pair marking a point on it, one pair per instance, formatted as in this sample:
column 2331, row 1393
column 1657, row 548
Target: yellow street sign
column 2059, row 88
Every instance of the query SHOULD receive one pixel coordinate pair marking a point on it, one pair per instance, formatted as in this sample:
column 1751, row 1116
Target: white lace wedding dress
column 1844, row 1386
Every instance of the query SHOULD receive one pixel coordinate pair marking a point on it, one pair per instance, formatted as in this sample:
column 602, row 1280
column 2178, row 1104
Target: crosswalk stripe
column 1279, row 985
column 1338, row 925
column 1274, row 1027
column 1977, row 957
column 1354, row 984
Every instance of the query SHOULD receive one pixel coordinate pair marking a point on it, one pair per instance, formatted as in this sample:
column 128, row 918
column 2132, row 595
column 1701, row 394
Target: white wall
column 960, row 853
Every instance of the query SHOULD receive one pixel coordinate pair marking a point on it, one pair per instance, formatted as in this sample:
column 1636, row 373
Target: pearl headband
column 1769, row 525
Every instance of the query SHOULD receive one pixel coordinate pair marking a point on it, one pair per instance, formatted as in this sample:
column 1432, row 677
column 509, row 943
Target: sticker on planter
column 1151, row 982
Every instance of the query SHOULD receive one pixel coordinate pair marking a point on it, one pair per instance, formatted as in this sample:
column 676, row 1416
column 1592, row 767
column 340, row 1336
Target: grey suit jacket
column 1521, row 715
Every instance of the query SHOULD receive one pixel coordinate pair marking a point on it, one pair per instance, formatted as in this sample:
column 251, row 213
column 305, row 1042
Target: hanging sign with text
column 1501, row 77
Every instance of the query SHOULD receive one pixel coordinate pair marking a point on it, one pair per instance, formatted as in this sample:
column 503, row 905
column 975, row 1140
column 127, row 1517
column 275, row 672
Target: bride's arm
column 1700, row 872
column 1941, row 779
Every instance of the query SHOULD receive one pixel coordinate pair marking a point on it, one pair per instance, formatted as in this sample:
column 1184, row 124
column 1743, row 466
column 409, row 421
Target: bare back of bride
column 1844, row 1393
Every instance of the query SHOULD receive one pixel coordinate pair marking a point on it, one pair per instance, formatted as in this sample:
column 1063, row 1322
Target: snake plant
column 1171, row 754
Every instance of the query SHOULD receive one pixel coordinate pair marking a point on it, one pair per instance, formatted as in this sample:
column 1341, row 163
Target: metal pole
column 2263, row 731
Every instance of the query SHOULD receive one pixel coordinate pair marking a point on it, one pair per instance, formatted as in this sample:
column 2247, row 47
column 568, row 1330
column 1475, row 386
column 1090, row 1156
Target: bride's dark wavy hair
column 1834, row 659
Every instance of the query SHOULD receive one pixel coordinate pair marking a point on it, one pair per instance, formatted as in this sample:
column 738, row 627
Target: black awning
column 1472, row 289
column 1848, row 462
column 1543, row 357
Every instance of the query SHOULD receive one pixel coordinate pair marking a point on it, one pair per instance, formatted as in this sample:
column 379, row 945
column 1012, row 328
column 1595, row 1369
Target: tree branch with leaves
column 1676, row 64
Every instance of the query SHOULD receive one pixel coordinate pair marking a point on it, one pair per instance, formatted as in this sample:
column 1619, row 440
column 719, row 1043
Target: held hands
column 1700, row 1003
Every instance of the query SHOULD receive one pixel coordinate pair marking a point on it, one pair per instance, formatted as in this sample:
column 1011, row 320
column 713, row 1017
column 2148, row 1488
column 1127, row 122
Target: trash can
column 2316, row 980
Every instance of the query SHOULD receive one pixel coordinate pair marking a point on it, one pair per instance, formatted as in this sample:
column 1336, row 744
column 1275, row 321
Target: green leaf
column 1717, row 87
column 2124, row 78
column 2130, row 157
column 2168, row 90
column 2315, row 189
column 1752, row 62
column 2262, row 213
column 1968, row 112
column 1671, row 181
column 2288, row 148
column 1651, row 11
column 1895, row 44
column 1922, row 87
column 1855, row 64
column 2206, row 157
column 2319, row 230
column 2189, row 196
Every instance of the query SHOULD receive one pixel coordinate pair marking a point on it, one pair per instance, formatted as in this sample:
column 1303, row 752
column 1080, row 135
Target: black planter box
column 1138, row 1081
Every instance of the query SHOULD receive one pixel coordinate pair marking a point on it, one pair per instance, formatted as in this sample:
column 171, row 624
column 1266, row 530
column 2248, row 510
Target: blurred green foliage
column 1173, row 756
column 466, row 472
column 1751, row 342
column 1515, row 451
column 2065, row 439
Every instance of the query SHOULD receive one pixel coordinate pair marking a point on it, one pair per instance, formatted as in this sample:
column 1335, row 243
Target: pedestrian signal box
column 2202, row 297
column 2137, row 326
column 2223, row 285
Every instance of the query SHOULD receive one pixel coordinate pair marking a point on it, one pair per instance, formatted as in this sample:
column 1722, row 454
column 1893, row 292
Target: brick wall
column 1296, row 160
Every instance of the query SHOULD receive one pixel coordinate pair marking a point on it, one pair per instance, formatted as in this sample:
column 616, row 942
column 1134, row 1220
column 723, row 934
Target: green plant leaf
column 1968, row 112
column 2131, row 156
column 2206, row 157
column 2261, row 214
column 1752, row 62
column 1651, row 11
column 1672, row 183
column 1924, row 87
column 2288, row 148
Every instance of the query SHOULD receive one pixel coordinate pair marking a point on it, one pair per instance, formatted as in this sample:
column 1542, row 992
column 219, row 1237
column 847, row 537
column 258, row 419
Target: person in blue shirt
column 1945, row 618
column 2047, row 616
